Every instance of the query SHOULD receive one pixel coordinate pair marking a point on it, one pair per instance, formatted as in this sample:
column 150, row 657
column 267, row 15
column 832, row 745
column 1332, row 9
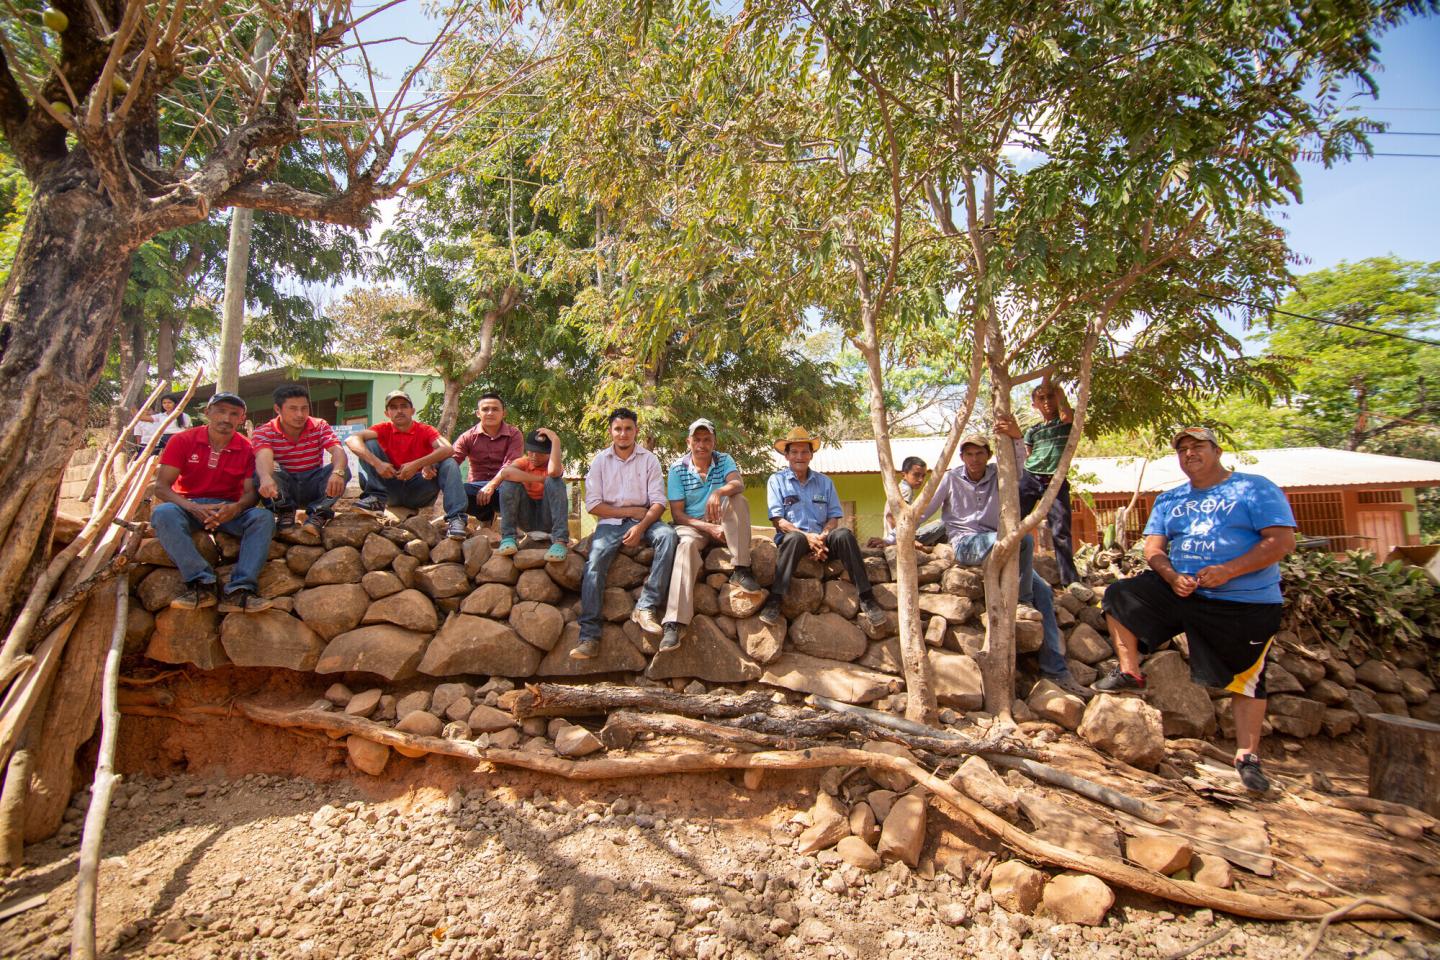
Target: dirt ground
column 230, row 840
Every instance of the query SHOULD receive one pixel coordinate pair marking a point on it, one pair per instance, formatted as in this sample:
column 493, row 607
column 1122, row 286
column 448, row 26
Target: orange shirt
column 527, row 465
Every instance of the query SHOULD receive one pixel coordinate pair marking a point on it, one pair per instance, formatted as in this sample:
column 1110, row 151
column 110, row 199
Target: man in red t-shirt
column 408, row 462
column 206, row 481
column 290, row 455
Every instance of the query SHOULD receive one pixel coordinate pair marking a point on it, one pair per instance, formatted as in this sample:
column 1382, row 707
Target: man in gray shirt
column 969, row 503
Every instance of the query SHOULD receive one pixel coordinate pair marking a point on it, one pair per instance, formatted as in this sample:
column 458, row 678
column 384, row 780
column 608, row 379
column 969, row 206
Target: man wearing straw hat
column 806, row 512
column 206, row 481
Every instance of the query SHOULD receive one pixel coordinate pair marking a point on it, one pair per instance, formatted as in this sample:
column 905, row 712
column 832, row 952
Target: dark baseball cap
column 231, row 398
column 536, row 443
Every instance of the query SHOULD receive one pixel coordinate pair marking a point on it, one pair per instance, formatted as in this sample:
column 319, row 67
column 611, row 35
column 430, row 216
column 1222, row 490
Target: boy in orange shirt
column 533, row 497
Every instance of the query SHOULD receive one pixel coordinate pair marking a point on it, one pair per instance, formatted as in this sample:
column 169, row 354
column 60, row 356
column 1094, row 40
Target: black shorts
column 1228, row 641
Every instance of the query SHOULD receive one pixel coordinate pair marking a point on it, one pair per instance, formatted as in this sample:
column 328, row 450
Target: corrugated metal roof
column 1287, row 467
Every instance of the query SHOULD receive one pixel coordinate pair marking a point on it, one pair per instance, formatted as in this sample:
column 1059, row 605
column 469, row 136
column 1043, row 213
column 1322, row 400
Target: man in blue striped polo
column 707, row 504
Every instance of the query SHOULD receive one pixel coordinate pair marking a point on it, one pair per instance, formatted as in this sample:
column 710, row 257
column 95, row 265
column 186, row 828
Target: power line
column 1334, row 323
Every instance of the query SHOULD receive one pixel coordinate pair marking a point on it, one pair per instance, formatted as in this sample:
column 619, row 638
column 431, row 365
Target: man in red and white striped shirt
column 290, row 462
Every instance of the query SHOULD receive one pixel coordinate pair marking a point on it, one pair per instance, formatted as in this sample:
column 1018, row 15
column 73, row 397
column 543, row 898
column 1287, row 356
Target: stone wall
column 398, row 607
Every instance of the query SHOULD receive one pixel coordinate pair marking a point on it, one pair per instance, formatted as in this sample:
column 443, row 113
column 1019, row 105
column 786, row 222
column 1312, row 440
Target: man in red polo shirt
column 407, row 462
column 290, row 463
column 487, row 447
column 206, row 481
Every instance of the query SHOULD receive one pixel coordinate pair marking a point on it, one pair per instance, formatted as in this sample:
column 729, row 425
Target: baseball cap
column 976, row 440
column 702, row 422
column 1195, row 433
column 233, row 399
column 536, row 443
column 396, row 395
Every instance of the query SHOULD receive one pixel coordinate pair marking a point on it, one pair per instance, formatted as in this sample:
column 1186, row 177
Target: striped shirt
column 301, row 455
column 1047, row 443
column 686, row 483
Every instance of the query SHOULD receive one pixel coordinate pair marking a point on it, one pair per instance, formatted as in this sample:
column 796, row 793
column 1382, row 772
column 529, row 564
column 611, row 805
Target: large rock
column 405, row 567
column 271, row 638
column 381, row 583
column 1050, row 702
column 447, row 551
column 159, row 587
column 1086, row 645
column 473, row 553
column 626, row 573
column 349, row 529
column 423, row 528
column 489, row 600
column 804, row 596
column 1304, row 669
column 828, row 824
column 615, row 605
column 1185, row 707
column 705, row 653
column 152, row 553
column 827, row 635
column 985, row 787
column 187, row 636
column 739, row 604
column 442, row 579
column 333, row 609
column 763, row 553
column 498, row 569
column 475, row 645
column 377, row 552
column 1070, row 827
column 903, row 835
column 538, row 624
column 617, row 654
column 385, row 650
column 1078, row 898
column 277, row 580
column 1163, row 854
column 367, row 755
column 536, row 585
column 830, row 678
column 410, row 609
column 575, row 741
column 1380, row 676
column 1127, row 728
column 953, row 609
column 301, row 558
column 957, row 678
column 762, row 642
column 341, row 565
column 1295, row 716
column 568, row 574
column 964, row 582
column 1017, row 886
column 139, row 624
column 842, row 598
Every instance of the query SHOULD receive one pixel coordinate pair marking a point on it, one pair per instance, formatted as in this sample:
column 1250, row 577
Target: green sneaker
column 508, row 547
column 557, row 553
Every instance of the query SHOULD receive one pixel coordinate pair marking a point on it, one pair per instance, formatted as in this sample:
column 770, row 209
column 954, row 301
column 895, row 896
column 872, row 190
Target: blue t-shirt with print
column 1218, row 524
column 683, row 483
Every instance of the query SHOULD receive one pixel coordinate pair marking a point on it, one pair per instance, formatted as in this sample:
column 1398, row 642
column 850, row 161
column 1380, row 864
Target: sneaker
column 284, row 518
column 745, row 580
column 557, row 553
column 197, row 594
column 645, row 617
column 671, row 639
column 370, row 504
column 586, row 649
column 873, row 611
column 1072, row 686
column 1118, row 681
column 244, row 601
column 1248, row 767
column 455, row 530
column 508, row 547
column 770, row 613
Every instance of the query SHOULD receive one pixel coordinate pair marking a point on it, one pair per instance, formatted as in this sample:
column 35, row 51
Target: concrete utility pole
column 237, row 256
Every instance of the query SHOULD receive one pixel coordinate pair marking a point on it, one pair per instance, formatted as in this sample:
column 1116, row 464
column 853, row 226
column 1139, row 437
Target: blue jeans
column 417, row 492
column 604, row 544
column 174, row 525
column 520, row 514
column 304, row 490
column 971, row 551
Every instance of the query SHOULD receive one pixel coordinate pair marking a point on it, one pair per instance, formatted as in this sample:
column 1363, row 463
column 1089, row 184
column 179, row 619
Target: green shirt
column 1047, row 442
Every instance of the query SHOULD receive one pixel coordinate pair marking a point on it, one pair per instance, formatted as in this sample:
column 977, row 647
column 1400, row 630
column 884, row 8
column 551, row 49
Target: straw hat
column 797, row 435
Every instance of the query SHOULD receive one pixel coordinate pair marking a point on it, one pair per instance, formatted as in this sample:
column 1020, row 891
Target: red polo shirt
column 205, row 473
column 401, row 448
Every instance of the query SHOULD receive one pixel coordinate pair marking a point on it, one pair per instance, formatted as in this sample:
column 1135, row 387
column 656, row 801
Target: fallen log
column 559, row 700
column 623, row 725
column 1241, row 903
column 939, row 742
column 1404, row 761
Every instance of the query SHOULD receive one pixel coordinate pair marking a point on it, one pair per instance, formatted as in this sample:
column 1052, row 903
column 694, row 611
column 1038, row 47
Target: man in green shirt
column 1044, row 443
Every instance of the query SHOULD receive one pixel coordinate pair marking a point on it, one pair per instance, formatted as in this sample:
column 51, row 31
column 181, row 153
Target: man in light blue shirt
column 806, row 512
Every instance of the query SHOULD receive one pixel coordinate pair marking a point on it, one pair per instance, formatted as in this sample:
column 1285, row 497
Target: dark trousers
column 840, row 543
column 305, row 490
column 1032, row 488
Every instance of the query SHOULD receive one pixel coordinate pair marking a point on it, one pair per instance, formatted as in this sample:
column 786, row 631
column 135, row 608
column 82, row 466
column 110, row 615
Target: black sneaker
column 770, row 613
column 244, row 601
column 873, row 611
column 310, row 530
column 197, row 594
column 586, row 649
column 456, row 529
column 1118, row 681
column 745, row 580
column 284, row 518
column 1248, row 767
column 370, row 504
column 1073, row 687
column 671, row 639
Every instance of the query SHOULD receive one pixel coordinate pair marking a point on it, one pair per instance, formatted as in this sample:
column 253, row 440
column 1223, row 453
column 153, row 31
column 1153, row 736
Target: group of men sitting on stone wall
column 1213, row 544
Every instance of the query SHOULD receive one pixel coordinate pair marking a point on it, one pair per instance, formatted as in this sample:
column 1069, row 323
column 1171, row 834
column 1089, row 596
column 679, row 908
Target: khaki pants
column 735, row 519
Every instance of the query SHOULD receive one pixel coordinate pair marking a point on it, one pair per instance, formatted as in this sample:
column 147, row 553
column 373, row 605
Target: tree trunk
column 1002, row 568
column 56, row 325
column 167, row 332
column 232, row 322
column 1404, row 761
column 450, row 408
column 920, row 703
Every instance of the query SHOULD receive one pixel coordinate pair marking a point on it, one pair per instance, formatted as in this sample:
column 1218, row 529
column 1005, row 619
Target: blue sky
column 1371, row 207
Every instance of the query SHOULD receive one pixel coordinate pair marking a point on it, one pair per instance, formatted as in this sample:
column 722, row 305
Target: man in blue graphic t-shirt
column 1214, row 547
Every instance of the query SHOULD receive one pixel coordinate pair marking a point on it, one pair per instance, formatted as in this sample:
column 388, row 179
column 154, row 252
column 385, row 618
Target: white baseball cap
column 702, row 422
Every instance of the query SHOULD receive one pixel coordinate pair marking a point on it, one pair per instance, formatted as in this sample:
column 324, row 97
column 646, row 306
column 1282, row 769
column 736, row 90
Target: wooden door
column 1385, row 529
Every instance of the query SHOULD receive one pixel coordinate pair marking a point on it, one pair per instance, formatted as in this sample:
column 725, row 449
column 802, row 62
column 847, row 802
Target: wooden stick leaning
column 1116, row 872
column 82, row 929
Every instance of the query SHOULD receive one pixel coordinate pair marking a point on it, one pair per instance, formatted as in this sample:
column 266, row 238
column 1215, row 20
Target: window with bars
column 1319, row 514
column 1380, row 496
